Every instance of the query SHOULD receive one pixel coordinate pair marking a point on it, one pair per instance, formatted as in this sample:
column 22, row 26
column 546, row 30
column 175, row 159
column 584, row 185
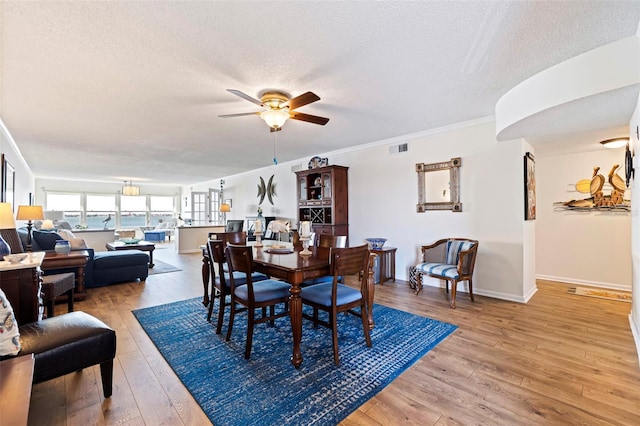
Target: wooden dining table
column 295, row 268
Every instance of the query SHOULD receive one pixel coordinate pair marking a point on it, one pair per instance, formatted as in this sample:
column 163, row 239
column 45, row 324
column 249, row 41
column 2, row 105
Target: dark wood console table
column 75, row 259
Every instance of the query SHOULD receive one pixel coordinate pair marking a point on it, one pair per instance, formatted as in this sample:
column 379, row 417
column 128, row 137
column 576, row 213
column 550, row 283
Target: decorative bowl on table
column 376, row 243
column 130, row 240
column 15, row 258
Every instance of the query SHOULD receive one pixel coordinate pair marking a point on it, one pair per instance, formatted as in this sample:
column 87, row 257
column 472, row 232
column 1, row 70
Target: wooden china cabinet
column 323, row 199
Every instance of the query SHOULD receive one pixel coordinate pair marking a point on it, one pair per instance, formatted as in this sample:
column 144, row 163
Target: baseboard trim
column 565, row 280
column 636, row 334
column 488, row 293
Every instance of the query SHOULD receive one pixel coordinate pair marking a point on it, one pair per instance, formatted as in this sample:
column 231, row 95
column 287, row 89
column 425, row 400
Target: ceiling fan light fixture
column 615, row 143
column 275, row 118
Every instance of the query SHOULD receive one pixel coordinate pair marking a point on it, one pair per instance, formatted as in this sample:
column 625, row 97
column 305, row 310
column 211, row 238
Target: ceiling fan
column 279, row 107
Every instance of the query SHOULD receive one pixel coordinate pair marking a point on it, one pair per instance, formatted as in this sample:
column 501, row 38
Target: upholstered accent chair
column 450, row 259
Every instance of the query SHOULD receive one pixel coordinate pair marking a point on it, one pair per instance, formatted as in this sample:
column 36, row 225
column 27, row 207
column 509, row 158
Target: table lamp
column 6, row 222
column 30, row 213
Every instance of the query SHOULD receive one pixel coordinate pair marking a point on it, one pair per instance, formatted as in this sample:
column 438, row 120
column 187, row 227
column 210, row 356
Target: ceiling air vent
column 397, row 149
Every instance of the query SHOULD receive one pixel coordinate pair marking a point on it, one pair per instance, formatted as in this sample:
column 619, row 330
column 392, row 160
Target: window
column 214, row 207
column 70, row 204
column 161, row 208
column 199, row 211
column 91, row 210
column 133, row 211
column 101, row 211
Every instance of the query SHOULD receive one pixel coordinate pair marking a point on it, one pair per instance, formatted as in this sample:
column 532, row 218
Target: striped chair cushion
column 442, row 269
column 454, row 248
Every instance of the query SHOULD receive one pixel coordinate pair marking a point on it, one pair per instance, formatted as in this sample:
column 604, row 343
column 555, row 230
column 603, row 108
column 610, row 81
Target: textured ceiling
column 110, row 91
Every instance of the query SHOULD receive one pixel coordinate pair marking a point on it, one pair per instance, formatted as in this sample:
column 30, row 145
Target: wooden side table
column 387, row 257
column 75, row 259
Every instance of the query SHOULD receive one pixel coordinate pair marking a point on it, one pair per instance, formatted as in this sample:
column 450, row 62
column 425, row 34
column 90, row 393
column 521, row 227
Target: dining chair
column 335, row 297
column 253, row 295
column 220, row 282
column 229, row 237
column 327, row 241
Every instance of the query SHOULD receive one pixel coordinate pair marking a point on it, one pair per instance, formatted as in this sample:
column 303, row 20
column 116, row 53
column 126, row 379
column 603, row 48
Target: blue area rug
column 267, row 389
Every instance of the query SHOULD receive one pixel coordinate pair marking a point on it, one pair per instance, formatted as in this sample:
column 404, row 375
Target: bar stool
column 57, row 285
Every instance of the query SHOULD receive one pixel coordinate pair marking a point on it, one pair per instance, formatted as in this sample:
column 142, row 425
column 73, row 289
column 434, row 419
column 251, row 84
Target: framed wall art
column 8, row 184
column 529, row 187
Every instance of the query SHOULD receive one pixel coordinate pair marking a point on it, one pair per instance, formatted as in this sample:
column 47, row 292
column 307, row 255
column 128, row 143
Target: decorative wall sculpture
column 268, row 190
column 605, row 194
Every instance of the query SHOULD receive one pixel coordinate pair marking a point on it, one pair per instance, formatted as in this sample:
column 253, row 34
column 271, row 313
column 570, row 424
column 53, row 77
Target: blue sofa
column 103, row 268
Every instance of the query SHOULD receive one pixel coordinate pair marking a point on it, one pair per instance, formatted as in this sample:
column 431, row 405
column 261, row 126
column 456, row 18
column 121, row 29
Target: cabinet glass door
column 302, row 184
column 326, row 185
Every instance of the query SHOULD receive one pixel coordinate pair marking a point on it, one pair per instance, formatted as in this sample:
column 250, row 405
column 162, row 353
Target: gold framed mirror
column 439, row 186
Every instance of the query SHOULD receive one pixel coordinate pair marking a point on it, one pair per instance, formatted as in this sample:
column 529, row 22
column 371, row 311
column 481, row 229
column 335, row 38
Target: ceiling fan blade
column 245, row 96
column 309, row 118
column 240, row 114
column 302, row 100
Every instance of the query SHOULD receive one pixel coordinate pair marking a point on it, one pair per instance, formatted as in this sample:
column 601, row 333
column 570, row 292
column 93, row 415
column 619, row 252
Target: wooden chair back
column 350, row 261
column 229, row 237
column 339, row 241
column 239, row 258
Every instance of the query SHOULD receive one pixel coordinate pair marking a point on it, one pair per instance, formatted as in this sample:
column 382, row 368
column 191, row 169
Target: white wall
column 590, row 248
column 24, row 176
column 383, row 197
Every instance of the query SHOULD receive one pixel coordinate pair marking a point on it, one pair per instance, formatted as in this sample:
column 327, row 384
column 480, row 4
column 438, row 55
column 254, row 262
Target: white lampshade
column 130, row 189
column 6, row 216
column 225, row 208
column 275, row 118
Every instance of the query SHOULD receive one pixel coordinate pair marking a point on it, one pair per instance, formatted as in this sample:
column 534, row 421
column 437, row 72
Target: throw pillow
column 9, row 333
column 74, row 242
column 66, row 234
column 46, row 240
column 77, row 243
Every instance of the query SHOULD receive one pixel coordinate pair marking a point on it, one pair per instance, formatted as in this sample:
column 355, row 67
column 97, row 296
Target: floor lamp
column 30, row 213
column 224, row 209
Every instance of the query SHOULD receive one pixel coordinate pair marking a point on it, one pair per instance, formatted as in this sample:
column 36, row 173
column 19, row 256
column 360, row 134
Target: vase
column 4, row 248
column 62, row 247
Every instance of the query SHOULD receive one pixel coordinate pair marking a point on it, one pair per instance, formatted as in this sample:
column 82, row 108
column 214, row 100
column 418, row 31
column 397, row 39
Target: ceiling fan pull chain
column 275, row 159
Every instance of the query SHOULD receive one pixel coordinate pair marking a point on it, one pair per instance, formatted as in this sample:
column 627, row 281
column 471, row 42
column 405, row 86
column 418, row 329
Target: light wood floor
column 560, row 359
